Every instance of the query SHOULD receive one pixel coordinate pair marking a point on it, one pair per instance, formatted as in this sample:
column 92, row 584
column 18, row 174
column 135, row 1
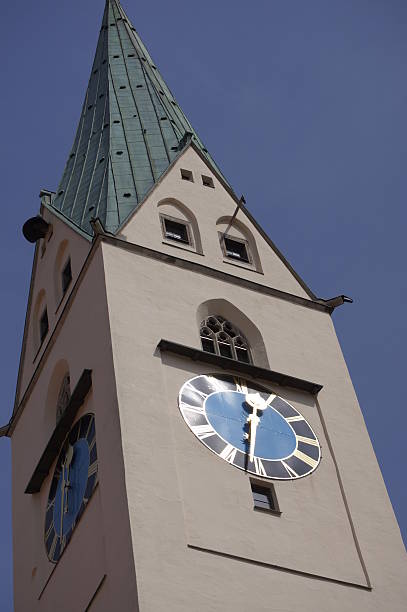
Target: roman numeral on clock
column 241, row 385
column 197, row 409
column 203, row 431
column 201, row 394
column 259, row 467
column 229, row 453
column 93, row 468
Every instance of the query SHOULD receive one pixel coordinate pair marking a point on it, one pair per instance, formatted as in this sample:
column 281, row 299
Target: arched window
column 64, row 396
column 220, row 337
column 179, row 225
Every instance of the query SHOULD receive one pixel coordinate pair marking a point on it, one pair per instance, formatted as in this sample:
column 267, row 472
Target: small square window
column 66, row 276
column 207, row 181
column 175, row 230
column 43, row 325
column 236, row 249
column 186, row 175
column 264, row 497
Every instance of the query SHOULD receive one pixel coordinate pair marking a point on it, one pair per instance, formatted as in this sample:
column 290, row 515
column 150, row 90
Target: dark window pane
column 43, row 325
column 262, row 497
column 208, row 345
column 242, row 354
column 66, row 276
column 236, row 250
column 176, row 231
column 225, row 350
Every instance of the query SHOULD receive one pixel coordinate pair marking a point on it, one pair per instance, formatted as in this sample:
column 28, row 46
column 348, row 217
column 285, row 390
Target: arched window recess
column 220, row 337
column 64, row 396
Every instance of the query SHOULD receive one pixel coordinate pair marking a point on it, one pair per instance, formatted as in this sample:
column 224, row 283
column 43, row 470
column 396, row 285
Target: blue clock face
column 249, row 426
column 73, row 483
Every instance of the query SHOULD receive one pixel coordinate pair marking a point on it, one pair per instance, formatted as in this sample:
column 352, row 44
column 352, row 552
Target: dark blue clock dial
column 250, row 427
column 73, row 483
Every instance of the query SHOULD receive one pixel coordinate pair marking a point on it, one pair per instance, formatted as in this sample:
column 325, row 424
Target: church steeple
column 130, row 130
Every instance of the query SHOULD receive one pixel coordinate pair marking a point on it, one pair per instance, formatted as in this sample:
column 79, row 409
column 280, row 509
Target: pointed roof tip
column 130, row 131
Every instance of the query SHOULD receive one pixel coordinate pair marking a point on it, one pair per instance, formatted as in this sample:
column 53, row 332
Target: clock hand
column 253, row 421
column 68, row 461
column 62, row 500
column 257, row 403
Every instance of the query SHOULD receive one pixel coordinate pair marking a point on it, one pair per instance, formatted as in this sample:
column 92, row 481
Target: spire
column 130, row 130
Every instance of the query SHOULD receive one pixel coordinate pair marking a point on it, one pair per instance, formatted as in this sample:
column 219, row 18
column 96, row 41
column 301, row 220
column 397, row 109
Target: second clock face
column 74, row 481
column 249, row 426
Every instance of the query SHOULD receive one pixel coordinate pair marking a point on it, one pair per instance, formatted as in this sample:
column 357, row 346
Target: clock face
column 73, row 483
column 249, row 426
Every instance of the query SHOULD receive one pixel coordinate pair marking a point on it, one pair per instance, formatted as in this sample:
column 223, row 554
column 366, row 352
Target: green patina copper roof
column 130, row 130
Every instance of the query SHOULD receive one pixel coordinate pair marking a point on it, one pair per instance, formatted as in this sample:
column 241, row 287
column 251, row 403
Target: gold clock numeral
column 308, row 460
column 198, row 409
column 295, row 418
column 241, row 385
column 270, row 399
column 229, row 453
column 53, row 546
column 88, row 429
column 201, row 394
column 311, row 441
column 48, row 533
column 259, row 467
column 215, row 383
column 203, row 431
column 92, row 469
column 290, row 470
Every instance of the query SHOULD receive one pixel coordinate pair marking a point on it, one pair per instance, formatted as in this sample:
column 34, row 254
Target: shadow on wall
column 229, row 312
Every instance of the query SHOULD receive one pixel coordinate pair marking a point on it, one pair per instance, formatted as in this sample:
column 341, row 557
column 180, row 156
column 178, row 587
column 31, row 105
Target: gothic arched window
column 220, row 337
column 64, row 396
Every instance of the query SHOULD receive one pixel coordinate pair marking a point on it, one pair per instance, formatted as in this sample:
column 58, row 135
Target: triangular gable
column 141, row 226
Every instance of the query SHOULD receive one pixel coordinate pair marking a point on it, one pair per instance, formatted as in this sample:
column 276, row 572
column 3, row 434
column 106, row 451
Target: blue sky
column 303, row 106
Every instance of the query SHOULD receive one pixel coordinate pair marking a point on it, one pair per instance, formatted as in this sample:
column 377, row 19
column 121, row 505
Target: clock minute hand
column 68, row 461
column 253, row 420
column 257, row 403
column 62, row 500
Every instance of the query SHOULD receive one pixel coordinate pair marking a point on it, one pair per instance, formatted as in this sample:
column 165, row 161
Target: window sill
column 242, row 264
column 266, row 511
column 225, row 363
column 178, row 245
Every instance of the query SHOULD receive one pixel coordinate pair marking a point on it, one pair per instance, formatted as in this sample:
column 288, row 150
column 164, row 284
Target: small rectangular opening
column 235, row 249
column 264, row 497
column 174, row 230
column 207, row 181
column 43, row 325
column 186, row 175
column 66, row 276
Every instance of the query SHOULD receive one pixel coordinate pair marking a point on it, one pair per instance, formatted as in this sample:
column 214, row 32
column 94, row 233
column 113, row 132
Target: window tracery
column 64, row 396
column 220, row 337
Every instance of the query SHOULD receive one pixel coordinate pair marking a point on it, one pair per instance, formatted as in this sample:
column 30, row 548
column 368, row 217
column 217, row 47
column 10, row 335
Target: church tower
column 186, row 436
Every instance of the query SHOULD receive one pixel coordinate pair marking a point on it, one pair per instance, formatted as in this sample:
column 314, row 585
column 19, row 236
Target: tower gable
column 191, row 193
